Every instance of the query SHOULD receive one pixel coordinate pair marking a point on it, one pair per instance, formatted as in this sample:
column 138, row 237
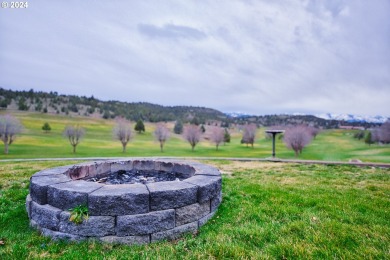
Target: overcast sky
column 257, row 57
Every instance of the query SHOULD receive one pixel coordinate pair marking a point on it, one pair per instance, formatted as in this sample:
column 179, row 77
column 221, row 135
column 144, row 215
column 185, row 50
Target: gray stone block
column 28, row 205
column 191, row 213
column 97, row 226
column 209, row 186
column 174, row 194
column 121, row 165
column 39, row 185
column 99, row 169
column 146, row 165
column 175, row 233
column 121, row 199
column 53, row 171
column 128, row 240
column 78, row 172
column 143, row 224
column 164, row 166
column 45, row 216
column 183, row 171
column 216, row 201
column 206, row 218
column 202, row 169
column 71, row 194
column 55, row 235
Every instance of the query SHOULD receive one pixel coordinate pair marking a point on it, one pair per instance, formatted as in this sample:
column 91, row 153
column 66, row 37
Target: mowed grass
column 335, row 145
column 269, row 211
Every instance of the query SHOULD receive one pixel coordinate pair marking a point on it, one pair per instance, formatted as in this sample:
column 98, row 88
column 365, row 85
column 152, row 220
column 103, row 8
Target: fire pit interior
column 136, row 176
column 127, row 201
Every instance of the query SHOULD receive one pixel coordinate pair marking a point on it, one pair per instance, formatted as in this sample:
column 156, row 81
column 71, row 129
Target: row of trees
column 295, row 138
column 123, row 132
column 379, row 134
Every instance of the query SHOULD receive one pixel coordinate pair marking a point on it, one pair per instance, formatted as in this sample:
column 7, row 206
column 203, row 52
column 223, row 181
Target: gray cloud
column 170, row 31
column 251, row 56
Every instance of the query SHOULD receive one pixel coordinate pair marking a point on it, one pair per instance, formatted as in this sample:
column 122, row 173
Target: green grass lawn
column 269, row 211
column 337, row 145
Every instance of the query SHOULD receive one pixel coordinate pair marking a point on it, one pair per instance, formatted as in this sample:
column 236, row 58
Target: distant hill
column 54, row 103
column 282, row 120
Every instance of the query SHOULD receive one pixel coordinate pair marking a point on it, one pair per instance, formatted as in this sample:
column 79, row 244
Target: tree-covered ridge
column 54, row 103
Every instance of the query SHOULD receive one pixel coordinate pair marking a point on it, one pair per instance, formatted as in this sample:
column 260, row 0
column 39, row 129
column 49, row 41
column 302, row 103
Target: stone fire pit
column 155, row 199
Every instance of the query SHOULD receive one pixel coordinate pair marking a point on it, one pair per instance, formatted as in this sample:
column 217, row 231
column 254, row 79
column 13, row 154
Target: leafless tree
column 297, row 137
column 192, row 134
column 384, row 132
column 375, row 135
column 249, row 134
column 122, row 132
column 9, row 128
column 161, row 134
column 314, row 131
column 74, row 135
column 217, row 136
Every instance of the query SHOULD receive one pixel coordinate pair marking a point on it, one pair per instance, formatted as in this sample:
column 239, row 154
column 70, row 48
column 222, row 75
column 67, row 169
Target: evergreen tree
column 226, row 138
column 359, row 135
column 202, row 128
column 106, row 114
column 38, row 107
column 46, row 127
column 139, row 127
column 368, row 140
column 178, row 129
column 3, row 103
column 22, row 104
column 194, row 121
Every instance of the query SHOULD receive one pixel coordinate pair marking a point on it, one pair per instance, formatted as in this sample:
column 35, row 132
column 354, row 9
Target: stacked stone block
column 124, row 213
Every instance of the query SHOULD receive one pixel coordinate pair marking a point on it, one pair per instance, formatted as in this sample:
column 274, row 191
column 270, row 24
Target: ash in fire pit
column 136, row 176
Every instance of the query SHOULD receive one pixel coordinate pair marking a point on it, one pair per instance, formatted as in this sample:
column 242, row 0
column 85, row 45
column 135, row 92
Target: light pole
column 274, row 133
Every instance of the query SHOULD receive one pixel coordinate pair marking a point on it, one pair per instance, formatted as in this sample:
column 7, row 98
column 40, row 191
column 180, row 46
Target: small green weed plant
column 78, row 214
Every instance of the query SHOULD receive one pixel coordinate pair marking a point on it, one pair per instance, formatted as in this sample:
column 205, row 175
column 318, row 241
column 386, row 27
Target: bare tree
column 161, row 134
column 217, row 136
column 384, row 132
column 297, row 137
column 9, row 128
column 375, row 135
column 122, row 132
column 74, row 135
column 314, row 131
column 192, row 134
column 249, row 134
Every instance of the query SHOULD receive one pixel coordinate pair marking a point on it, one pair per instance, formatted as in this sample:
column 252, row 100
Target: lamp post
column 274, row 133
